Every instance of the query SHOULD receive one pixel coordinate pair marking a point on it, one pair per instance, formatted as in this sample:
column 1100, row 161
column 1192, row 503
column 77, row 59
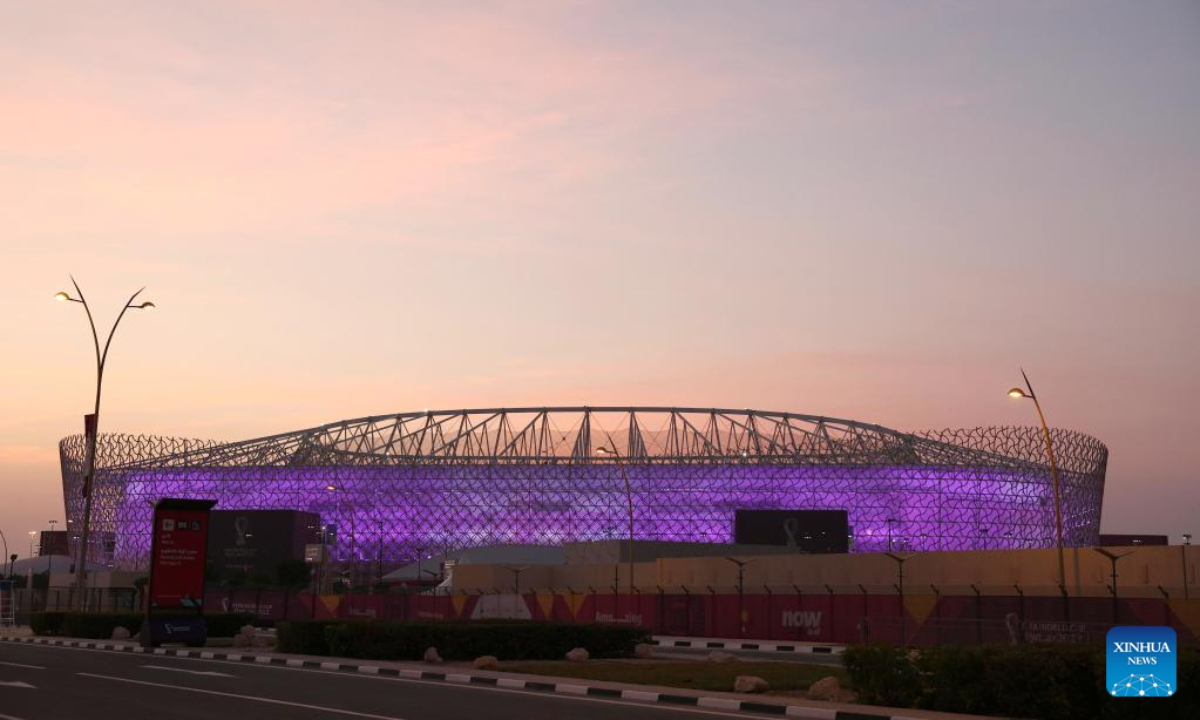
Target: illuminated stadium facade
column 417, row 484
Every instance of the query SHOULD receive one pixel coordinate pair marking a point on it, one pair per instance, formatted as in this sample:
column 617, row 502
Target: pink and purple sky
column 870, row 210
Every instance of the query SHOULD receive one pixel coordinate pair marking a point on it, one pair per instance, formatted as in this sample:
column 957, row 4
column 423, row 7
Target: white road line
column 414, row 676
column 18, row 684
column 253, row 698
column 22, row 665
column 185, row 670
column 9, row 717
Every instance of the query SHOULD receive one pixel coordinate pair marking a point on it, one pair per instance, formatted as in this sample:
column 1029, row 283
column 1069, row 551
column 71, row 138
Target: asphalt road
column 51, row 683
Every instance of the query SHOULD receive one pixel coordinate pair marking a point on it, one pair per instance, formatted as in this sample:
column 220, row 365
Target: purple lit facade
column 689, row 471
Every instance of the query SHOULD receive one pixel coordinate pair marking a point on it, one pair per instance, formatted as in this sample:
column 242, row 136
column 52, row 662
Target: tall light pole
column 32, row 535
column 1187, row 541
column 741, row 586
column 90, row 458
column 5, row 541
column 336, row 490
column 50, row 564
column 611, row 449
column 1113, row 558
column 900, row 560
column 1028, row 393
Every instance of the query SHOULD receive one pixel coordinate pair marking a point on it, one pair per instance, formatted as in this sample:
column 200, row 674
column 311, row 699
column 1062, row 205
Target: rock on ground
column 721, row 657
column 247, row 630
column 827, row 688
column 750, row 684
column 486, row 662
column 120, row 633
column 643, row 651
column 431, row 656
column 578, row 655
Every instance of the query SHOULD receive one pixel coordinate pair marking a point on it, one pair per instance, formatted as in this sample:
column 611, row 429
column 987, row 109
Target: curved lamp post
column 90, row 459
column 611, row 449
column 1028, row 393
column 5, row 541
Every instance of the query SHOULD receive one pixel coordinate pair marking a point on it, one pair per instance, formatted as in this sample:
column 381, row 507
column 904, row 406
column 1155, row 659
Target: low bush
column 511, row 640
column 306, row 637
column 92, row 625
column 1024, row 681
column 882, row 674
column 227, row 624
column 47, row 622
column 100, row 625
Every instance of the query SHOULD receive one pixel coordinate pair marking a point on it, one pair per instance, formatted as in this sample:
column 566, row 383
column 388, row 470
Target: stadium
column 398, row 487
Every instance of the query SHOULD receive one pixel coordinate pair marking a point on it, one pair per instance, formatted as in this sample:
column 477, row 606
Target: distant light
column 331, row 488
column 1017, row 393
column 61, row 296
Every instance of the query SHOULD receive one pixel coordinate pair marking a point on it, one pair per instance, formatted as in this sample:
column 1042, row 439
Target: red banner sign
column 177, row 565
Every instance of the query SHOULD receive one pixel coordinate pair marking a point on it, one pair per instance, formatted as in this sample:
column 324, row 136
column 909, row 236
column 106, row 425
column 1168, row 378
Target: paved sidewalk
column 463, row 673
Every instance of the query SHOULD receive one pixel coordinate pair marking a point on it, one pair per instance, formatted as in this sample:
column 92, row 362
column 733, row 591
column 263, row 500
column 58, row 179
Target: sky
column 871, row 210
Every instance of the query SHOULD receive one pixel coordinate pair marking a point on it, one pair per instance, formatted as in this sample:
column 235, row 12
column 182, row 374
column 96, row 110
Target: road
column 40, row 682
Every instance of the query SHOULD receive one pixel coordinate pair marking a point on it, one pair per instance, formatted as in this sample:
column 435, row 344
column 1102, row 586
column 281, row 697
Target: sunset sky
column 871, row 210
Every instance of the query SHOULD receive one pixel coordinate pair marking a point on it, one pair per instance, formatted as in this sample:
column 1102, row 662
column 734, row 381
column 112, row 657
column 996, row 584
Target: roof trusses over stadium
column 640, row 434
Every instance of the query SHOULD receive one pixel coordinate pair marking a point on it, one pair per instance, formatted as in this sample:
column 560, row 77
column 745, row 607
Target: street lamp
column 90, row 458
column 331, row 488
column 900, row 560
column 611, row 449
column 50, row 563
column 5, row 541
column 741, row 585
column 516, row 571
column 1018, row 393
column 1113, row 557
column 32, row 535
column 1187, row 540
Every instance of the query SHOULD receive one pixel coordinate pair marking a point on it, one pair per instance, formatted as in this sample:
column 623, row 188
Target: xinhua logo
column 1141, row 662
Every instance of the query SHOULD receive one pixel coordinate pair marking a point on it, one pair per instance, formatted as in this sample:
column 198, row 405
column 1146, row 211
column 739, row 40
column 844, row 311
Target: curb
column 711, row 703
column 706, row 644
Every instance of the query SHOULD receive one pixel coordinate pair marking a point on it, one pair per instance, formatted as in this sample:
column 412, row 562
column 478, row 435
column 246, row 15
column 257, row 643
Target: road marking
column 414, row 676
column 18, row 684
column 9, row 717
column 185, row 670
column 254, row 698
column 22, row 665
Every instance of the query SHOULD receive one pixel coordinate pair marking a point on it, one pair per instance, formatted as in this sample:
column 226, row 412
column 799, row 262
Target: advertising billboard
column 811, row 531
column 254, row 542
column 180, row 548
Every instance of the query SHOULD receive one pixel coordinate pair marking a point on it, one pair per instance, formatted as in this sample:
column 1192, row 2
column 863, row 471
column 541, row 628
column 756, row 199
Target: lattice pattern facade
column 400, row 486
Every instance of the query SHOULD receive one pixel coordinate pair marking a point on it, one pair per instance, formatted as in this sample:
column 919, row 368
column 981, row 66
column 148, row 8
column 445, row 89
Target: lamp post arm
column 92, row 324
column 112, row 332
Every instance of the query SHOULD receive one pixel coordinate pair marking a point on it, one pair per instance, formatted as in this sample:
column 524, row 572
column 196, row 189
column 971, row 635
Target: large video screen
column 811, row 531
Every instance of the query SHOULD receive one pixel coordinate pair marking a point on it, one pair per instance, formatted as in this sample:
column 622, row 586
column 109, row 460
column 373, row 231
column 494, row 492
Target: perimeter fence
column 796, row 615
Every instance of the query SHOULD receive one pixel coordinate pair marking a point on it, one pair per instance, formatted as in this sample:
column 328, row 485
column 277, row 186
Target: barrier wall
column 795, row 617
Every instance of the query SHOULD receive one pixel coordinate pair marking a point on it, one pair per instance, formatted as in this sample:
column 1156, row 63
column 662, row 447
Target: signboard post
column 175, row 609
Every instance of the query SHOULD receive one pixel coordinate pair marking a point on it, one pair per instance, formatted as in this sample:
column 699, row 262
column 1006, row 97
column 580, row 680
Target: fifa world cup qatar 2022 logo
column 1141, row 662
